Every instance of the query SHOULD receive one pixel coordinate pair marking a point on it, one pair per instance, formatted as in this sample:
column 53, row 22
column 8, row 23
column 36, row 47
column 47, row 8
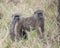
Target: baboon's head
column 16, row 17
column 39, row 13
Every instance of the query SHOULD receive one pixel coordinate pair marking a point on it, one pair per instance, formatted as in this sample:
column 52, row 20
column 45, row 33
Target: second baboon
column 14, row 31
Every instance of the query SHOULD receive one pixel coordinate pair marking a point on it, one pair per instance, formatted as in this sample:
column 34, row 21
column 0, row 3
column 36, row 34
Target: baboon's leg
column 21, row 35
column 17, row 37
column 12, row 33
column 24, row 34
column 39, row 33
column 18, row 31
column 42, row 28
column 41, row 25
column 12, row 36
column 42, row 31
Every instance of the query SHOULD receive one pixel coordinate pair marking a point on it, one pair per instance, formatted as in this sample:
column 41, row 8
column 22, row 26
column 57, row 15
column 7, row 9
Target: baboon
column 35, row 22
column 14, row 33
column 15, row 19
column 20, row 25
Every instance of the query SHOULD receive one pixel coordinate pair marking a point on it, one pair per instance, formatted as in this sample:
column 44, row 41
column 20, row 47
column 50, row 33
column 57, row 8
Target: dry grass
column 27, row 8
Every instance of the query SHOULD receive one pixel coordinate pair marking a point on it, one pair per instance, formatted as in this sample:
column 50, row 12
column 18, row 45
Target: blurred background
column 26, row 8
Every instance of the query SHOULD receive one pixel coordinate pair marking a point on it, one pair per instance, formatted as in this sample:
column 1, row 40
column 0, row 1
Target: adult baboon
column 35, row 22
column 15, row 20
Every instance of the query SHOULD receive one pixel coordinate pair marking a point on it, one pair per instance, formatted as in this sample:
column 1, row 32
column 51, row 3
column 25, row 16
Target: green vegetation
column 27, row 8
